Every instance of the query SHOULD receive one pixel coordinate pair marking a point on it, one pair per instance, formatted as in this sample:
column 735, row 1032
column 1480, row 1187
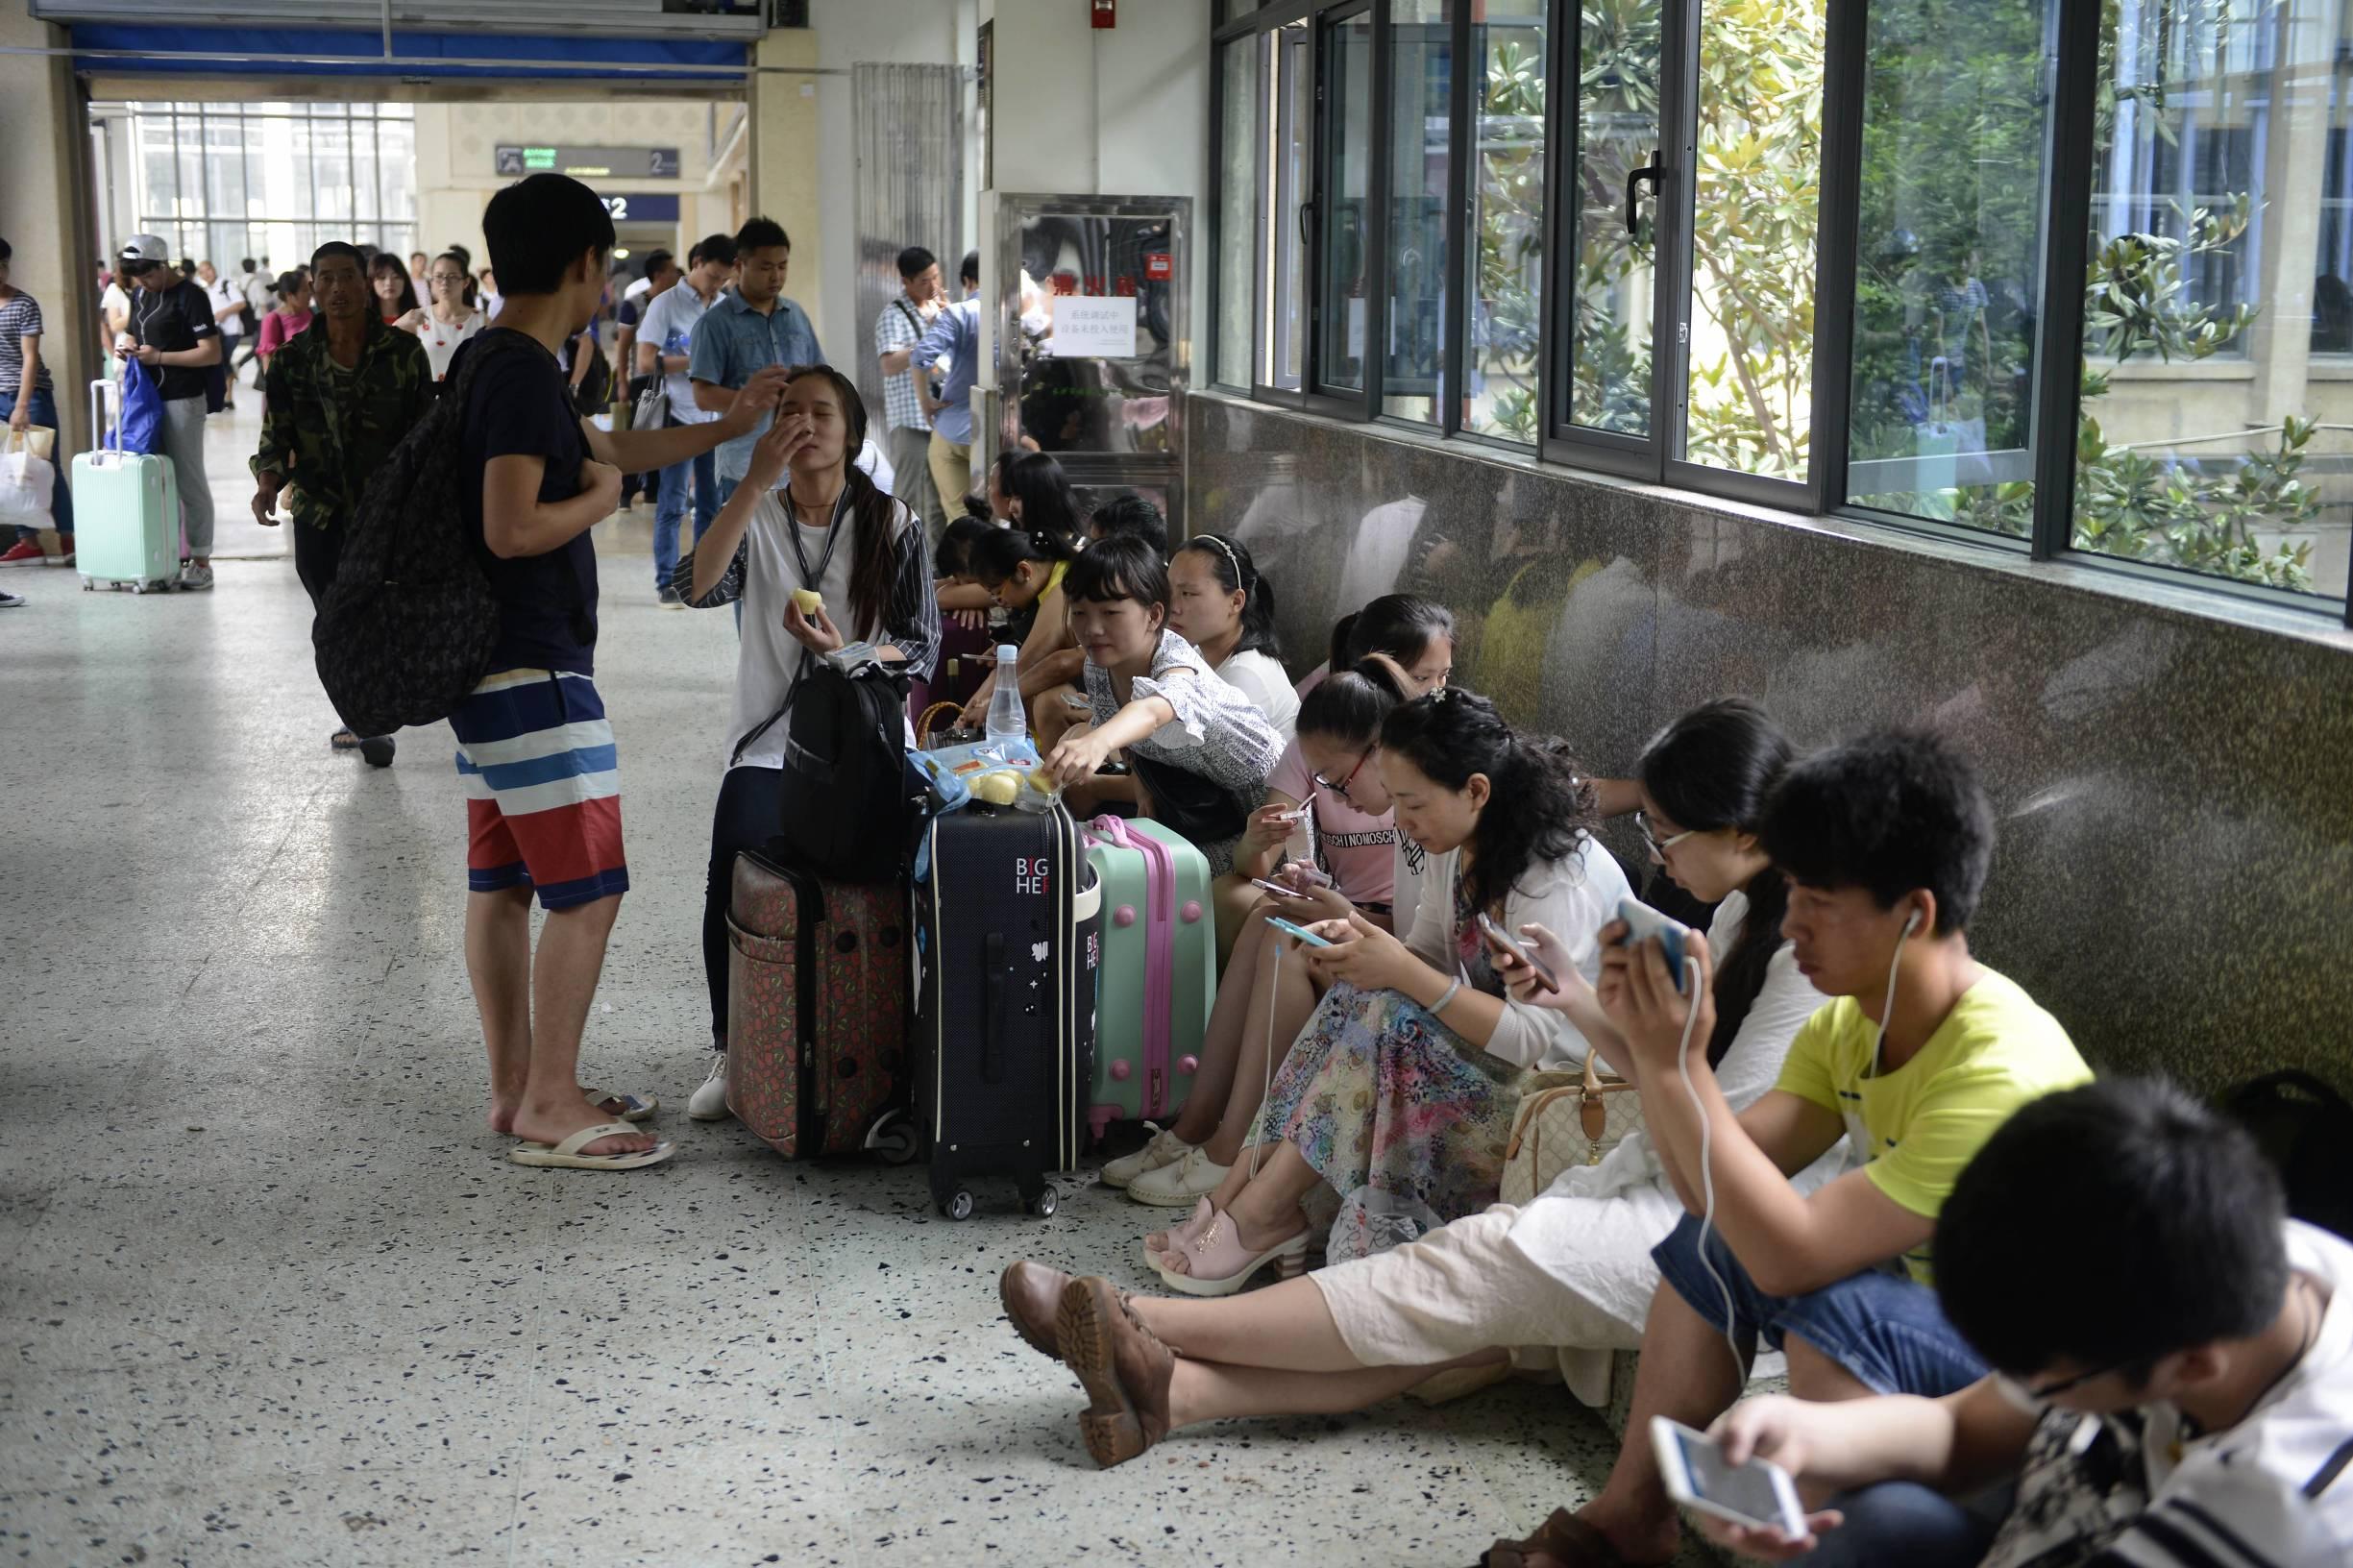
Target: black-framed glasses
column 2028, row 1397
column 1340, row 786
column 1659, row 845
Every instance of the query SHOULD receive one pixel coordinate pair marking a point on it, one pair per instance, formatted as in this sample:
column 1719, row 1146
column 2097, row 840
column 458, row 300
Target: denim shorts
column 1888, row 1333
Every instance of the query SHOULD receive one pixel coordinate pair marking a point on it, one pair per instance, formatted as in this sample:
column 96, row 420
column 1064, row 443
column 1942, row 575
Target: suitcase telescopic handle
column 99, row 428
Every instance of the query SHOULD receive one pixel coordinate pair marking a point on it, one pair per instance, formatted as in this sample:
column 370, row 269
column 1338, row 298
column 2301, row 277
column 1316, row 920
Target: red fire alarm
column 1106, row 13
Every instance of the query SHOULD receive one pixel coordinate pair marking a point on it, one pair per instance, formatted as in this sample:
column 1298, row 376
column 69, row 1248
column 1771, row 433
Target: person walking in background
column 28, row 399
column 291, row 318
column 337, row 400
column 420, row 270
column 228, row 304
column 906, row 391
column 955, row 335
column 749, row 328
column 449, row 320
column 114, row 306
column 660, row 275
column 173, row 336
column 259, row 288
column 395, row 295
column 489, row 298
column 665, row 338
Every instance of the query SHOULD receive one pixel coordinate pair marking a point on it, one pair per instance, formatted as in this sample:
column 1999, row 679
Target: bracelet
column 1447, row 996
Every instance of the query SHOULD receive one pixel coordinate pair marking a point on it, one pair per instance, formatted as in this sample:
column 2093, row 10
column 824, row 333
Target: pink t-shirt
column 276, row 327
column 1358, row 850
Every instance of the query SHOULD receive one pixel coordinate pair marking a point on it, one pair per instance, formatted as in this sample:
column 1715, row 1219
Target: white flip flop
column 567, row 1155
column 641, row 1107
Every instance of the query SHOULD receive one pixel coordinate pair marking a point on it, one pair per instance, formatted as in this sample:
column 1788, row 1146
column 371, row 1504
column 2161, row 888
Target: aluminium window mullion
column 1560, row 83
column 1837, row 249
column 1453, row 330
column 2058, row 355
column 1378, row 205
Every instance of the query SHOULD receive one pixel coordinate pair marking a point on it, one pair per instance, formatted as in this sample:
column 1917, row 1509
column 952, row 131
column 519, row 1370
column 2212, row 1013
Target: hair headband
column 1225, row 550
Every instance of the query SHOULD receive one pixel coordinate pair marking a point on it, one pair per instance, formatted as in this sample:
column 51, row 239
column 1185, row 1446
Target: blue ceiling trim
column 164, row 51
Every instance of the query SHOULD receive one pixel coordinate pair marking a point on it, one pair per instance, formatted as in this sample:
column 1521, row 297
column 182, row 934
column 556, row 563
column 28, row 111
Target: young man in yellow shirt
column 1921, row 1055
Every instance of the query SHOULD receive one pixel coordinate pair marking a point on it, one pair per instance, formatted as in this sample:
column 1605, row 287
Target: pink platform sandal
column 1158, row 1243
column 1216, row 1265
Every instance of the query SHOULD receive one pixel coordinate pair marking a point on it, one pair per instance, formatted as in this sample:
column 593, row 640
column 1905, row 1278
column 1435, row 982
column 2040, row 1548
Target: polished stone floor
column 273, row 1295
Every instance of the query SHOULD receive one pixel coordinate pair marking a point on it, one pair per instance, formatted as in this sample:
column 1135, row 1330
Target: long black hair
column 387, row 265
column 1039, row 484
column 1350, row 705
column 996, row 554
column 1540, row 805
column 1230, row 563
column 876, row 558
column 1711, row 769
column 1399, row 624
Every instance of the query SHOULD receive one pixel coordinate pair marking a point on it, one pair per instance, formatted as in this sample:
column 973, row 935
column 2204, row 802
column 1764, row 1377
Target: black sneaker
column 378, row 749
column 668, row 599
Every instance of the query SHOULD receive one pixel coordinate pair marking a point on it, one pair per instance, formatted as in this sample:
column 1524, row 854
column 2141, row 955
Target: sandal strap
column 589, row 1135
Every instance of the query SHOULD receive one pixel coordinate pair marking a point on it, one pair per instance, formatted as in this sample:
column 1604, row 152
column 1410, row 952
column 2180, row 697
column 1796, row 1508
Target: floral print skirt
column 1405, row 1120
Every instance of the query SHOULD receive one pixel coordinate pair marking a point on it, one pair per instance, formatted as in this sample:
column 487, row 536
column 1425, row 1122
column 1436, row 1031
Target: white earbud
column 1913, row 925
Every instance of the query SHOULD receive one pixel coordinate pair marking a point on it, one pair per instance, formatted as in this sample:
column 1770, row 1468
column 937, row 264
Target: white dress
column 441, row 340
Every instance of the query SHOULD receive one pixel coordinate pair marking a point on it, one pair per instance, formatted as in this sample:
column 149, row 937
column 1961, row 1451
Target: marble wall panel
column 2175, row 791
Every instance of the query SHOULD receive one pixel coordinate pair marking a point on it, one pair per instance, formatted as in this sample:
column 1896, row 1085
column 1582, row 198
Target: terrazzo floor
column 273, row 1295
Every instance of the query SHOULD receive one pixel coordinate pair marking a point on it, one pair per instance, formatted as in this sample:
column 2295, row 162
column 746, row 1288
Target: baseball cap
column 142, row 249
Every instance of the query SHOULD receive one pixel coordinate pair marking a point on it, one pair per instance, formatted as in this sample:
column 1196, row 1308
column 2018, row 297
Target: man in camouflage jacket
column 340, row 396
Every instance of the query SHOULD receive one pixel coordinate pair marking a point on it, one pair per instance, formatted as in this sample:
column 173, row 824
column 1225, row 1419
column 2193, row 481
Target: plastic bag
column 142, row 410
column 26, row 483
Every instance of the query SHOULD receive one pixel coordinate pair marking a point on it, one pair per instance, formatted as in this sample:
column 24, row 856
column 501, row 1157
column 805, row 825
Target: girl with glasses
column 1261, row 1002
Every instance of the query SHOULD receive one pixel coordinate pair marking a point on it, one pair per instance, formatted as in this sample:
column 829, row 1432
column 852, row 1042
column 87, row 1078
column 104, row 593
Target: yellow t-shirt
column 1913, row 1129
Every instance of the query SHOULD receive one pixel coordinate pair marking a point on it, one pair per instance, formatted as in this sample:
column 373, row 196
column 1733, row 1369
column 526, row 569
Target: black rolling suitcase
column 1007, row 945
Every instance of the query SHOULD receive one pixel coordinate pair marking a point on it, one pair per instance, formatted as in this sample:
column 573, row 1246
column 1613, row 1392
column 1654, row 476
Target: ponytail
column 1402, row 626
column 1350, row 705
column 1231, row 564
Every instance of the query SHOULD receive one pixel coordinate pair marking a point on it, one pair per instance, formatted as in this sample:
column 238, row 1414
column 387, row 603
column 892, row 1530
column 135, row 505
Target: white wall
column 876, row 32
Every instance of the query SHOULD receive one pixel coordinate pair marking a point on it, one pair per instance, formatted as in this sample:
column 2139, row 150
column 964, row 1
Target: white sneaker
column 709, row 1103
column 1164, row 1149
column 1179, row 1185
column 194, row 578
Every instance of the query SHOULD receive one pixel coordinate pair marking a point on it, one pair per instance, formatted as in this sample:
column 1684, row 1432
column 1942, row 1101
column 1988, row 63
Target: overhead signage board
column 641, row 207
column 588, row 162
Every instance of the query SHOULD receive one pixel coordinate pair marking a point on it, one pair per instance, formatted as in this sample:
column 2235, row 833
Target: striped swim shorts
column 543, row 788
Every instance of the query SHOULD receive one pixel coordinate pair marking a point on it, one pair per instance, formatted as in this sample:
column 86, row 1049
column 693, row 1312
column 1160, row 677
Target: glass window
column 1606, row 321
column 1343, row 208
column 1240, row 234
column 1754, row 205
column 1956, row 109
column 1507, row 222
column 1421, row 100
column 2200, row 441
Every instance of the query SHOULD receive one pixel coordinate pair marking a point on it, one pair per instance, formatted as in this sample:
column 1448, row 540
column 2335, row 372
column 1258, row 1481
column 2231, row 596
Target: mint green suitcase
column 1159, row 976
column 126, row 512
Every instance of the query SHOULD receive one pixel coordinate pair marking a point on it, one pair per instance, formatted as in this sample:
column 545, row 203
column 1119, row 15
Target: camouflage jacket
column 327, row 428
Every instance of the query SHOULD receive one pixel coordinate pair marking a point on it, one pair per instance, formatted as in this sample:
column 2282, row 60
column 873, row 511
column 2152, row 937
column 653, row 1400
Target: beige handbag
column 1566, row 1119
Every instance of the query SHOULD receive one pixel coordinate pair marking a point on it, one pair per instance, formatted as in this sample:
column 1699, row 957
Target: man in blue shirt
column 751, row 327
column 955, row 336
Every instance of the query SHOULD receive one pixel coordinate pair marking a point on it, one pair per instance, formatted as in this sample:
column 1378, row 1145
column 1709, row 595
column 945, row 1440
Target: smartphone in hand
column 1502, row 942
column 1642, row 922
column 1276, row 888
column 1290, row 929
column 1759, row 1494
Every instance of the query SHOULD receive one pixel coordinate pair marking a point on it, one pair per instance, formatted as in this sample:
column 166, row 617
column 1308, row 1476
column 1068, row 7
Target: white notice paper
column 1093, row 327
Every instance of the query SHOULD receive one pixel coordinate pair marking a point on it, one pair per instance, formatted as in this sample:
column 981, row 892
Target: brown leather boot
column 1032, row 1294
column 1122, row 1366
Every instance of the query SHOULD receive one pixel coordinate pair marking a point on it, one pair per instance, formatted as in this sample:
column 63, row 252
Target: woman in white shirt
column 1220, row 604
column 804, row 516
column 1572, row 1268
column 1397, row 1097
column 449, row 320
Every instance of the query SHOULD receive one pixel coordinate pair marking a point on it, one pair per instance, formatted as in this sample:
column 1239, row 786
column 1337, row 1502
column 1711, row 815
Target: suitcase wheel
column 959, row 1204
column 87, row 586
column 893, row 1138
column 1045, row 1203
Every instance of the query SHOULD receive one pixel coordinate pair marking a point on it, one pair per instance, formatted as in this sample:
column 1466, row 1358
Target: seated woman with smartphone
column 1268, row 992
column 1396, row 1099
column 1572, row 1268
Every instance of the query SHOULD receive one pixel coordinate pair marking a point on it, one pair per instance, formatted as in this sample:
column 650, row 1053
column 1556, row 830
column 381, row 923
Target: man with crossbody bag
column 906, row 394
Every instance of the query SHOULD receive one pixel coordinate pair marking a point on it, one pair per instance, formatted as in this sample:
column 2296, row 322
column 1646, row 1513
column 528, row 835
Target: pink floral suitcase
column 818, row 982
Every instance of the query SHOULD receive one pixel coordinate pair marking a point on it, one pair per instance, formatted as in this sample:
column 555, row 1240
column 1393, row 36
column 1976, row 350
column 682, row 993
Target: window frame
column 2055, row 373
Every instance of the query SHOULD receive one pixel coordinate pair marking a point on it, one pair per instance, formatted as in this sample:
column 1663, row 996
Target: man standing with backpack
column 338, row 400
column 534, row 748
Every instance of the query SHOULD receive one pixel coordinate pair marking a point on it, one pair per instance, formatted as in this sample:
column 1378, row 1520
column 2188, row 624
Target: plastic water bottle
column 1007, row 721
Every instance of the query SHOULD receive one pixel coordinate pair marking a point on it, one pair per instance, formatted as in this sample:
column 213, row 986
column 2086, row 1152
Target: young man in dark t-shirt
column 534, row 749
column 173, row 334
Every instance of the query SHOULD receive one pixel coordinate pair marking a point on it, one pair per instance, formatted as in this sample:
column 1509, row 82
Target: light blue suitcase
column 126, row 511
